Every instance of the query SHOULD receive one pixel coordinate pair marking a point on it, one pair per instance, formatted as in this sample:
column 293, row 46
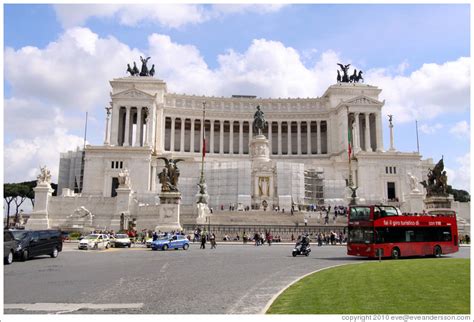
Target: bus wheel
column 437, row 251
column 395, row 253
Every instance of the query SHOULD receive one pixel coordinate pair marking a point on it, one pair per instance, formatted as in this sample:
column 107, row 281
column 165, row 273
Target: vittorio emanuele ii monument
column 308, row 152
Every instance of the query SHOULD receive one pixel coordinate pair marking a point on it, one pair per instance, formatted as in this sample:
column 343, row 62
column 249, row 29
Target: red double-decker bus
column 383, row 231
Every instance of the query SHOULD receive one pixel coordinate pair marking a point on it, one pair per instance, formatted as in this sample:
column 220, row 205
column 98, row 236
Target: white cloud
column 426, row 93
column 430, row 129
column 23, row 157
column 461, row 177
column 461, row 130
column 167, row 15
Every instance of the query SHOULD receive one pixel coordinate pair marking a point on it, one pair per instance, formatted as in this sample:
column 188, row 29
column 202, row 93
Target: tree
column 9, row 194
column 22, row 192
column 459, row 195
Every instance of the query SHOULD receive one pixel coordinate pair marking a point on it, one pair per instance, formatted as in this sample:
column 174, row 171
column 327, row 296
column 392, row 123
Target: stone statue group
column 437, row 183
column 144, row 71
column 170, row 175
column 345, row 78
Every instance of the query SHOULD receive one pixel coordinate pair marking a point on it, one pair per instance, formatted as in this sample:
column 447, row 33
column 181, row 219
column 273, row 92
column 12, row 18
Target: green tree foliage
column 459, row 195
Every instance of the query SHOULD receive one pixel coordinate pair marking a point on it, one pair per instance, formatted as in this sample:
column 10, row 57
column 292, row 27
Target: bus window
column 359, row 213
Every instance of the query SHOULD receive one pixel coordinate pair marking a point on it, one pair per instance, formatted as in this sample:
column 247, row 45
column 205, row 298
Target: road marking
column 71, row 307
column 162, row 270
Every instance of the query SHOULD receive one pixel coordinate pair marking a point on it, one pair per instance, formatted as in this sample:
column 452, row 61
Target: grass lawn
column 409, row 286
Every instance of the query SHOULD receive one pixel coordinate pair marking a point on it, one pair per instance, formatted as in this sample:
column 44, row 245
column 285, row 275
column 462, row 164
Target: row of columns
column 366, row 137
column 125, row 130
column 211, row 136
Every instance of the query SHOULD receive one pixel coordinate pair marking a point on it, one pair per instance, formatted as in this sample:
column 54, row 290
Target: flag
column 349, row 139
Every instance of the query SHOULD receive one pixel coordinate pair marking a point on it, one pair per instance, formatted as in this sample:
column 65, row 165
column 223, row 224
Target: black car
column 9, row 247
column 31, row 243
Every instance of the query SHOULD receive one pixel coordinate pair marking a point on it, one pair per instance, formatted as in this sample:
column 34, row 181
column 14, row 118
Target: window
column 415, row 234
column 359, row 213
column 117, row 165
column 391, row 191
column 361, row 235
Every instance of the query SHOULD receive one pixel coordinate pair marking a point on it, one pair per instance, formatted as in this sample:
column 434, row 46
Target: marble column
column 211, row 139
column 279, row 138
column 173, row 119
column 378, row 129
column 289, row 137
column 191, row 143
column 126, row 141
column 368, row 147
column 138, row 133
column 183, row 130
column 231, row 137
column 318, row 137
column 221, row 137
column 107, row 126
column 298, row 138
column 241, row 137
column 308, row 136
column 356, row 134
column 270, row 137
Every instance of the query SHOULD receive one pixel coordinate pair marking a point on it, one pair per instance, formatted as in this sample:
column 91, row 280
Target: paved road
column 229, row 279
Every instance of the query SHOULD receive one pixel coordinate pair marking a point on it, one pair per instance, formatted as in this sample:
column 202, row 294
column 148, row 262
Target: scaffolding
column 314, row 187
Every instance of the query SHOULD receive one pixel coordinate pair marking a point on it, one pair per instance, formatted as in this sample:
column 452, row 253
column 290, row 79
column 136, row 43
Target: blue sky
column 416, row 53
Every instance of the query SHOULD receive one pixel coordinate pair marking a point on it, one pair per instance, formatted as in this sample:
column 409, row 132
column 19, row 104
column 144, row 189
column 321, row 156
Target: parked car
column 94, row 241
column 120, row 240
column 9, row 247
column 31, row 243
column 174, row 242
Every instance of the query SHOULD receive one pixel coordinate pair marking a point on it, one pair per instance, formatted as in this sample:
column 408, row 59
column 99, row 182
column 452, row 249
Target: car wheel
column 185, row 246
column 9, row 259
column 165, row 247
column 55, row 253
column 107, row 246
column 129, row 245
column 395, row 253
column 437, row 251
column 24, row 255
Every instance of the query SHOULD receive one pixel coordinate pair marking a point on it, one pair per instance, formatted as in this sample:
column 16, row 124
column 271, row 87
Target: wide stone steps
column 258, row 217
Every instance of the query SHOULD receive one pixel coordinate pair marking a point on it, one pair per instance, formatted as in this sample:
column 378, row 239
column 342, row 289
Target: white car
column 94, row 241
column 121, row 240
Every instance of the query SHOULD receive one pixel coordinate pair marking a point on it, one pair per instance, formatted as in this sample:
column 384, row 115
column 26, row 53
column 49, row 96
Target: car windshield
column 19, row 235
column 91, row 237
column 121, row 236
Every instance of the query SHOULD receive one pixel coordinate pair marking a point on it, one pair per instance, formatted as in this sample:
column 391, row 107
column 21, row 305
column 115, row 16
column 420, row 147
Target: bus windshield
column 361, row 235
column 359, row 213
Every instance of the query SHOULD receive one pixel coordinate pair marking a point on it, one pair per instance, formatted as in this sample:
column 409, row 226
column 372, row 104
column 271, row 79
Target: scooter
column 297, row 250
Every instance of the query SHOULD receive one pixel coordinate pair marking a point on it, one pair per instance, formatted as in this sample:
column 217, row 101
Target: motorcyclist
column 304, row 242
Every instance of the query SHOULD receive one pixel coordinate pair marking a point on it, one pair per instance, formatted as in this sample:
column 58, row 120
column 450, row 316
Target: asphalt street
column 231, row 279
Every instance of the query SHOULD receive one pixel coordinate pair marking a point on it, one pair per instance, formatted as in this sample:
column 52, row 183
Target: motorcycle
column 297, row 250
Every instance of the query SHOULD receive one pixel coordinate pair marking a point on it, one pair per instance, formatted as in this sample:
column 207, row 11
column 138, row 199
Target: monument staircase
column 284, row 224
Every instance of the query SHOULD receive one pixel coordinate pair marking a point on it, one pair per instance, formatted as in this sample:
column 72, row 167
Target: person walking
column 203, row 241
column 212, row 238
column 305, row 221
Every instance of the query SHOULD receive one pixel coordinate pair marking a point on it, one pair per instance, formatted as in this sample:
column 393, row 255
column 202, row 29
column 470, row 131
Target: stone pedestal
column 39, row 217
column 434, row 202
column 259, row 148
column 169, row 212
column 414, row 202
column 122, row 209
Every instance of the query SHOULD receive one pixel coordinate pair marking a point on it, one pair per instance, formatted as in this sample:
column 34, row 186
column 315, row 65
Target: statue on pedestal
column 44, row 176
column 259, row 122
column 437, row 183
column 124, row 178
column 170, row 175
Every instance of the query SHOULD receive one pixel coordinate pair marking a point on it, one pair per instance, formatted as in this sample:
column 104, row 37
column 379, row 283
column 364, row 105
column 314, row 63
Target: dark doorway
column 391, row 191
column 115, row 185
